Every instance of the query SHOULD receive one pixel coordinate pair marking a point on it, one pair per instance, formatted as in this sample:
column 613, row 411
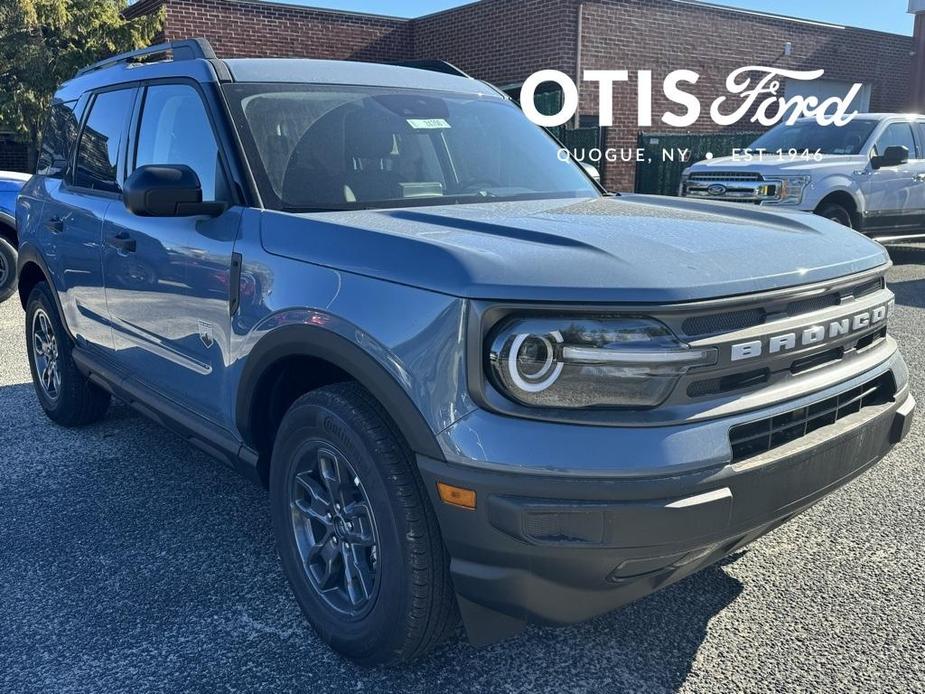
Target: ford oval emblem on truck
column 717, row 189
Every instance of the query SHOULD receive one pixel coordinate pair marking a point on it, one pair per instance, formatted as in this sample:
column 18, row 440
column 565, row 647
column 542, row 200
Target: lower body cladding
column 558, row 548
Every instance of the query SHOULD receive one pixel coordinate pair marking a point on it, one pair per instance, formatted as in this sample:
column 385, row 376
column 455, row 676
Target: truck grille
column 754, row 438
column 726, row 176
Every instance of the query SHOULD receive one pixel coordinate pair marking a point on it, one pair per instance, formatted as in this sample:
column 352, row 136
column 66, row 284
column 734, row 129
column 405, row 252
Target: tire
column 67, row 397
column 8, row 257
column 405, row 605
column 837, row 213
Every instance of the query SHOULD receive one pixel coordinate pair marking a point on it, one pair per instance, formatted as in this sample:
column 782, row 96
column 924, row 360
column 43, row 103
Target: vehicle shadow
column 909, row 293
column 157, row 571
column 647, row 646
column 906, row 254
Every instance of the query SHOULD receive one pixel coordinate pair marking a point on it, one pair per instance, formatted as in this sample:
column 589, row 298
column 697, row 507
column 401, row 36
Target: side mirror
column 591, row 171
column 893, row 156
column 167, row 190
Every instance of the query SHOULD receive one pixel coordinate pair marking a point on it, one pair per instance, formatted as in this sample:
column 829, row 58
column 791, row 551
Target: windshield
column 809, row 135
column 342, row 147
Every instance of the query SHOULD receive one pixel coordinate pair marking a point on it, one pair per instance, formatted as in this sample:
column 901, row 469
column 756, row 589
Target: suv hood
column 614, row 249
column 828, row 163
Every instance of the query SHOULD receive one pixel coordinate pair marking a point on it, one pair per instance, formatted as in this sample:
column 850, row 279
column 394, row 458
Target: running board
column 201, row 433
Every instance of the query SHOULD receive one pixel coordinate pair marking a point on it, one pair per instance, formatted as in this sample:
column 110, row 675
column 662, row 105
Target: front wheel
column 7, row 270
column 357, row 537
column 836, row 213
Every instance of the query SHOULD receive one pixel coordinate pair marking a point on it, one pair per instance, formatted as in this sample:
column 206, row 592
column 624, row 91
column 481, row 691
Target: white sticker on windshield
column 428, row 123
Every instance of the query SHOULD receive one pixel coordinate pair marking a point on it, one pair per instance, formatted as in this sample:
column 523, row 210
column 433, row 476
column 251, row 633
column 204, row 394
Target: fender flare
column 29, row 254
column 844, row 185
column 320, row 343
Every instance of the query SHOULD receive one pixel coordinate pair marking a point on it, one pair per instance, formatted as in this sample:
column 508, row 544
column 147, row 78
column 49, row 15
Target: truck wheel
column 7, row 270
column 67, row 397
column 836, row 213
column 357, row 537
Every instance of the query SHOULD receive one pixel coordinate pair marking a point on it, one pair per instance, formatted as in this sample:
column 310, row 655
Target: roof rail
column 434, row 66
column 190, row 49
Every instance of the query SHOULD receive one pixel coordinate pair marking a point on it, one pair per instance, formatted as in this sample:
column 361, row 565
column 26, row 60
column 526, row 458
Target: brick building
column 504, row 41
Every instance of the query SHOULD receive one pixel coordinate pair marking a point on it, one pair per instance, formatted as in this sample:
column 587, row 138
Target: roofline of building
column 784, row 17
column 323, row 10
column 703, row 4
column 288, row 5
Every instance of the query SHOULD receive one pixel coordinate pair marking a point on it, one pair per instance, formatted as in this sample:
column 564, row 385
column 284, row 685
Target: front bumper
column 559, row 548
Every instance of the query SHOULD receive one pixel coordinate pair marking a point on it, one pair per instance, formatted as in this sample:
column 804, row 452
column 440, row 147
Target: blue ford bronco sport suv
column 475, row 384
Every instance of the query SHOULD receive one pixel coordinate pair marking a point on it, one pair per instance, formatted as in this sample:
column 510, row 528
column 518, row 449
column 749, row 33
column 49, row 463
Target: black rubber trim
column 207, row 437
column 234, row 301
column 10, row 221
column 221, row 69
column 303, row 340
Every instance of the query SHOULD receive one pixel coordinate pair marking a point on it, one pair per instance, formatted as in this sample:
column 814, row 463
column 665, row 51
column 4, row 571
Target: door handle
column 919, row 178
column 55, row 225
column 123, row 242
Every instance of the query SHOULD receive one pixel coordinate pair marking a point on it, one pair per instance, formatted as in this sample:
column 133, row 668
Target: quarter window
column 896, row 135
column 58, row 139
column 98, row 152
column 175, row 129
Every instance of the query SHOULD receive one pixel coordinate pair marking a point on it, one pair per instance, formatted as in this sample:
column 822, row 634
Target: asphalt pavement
column 131, row 562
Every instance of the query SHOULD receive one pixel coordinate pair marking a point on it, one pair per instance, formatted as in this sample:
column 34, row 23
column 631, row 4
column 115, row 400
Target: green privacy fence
column 662, row 176
column 578, row 139
column 573, row 139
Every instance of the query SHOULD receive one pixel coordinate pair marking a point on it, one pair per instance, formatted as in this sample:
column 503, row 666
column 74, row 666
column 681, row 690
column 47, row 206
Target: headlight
column 789, row 189
column 594, row 361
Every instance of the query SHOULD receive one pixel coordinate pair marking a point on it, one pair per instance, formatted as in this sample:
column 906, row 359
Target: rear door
column 896, row 194
column 75, row 207
column 169, row 279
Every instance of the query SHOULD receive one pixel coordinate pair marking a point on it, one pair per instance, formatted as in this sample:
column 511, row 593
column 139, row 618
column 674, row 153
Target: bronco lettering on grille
column 817, row 334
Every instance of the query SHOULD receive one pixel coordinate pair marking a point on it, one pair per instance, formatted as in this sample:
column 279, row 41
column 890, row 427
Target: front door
column 896, row 194
column 168, row 279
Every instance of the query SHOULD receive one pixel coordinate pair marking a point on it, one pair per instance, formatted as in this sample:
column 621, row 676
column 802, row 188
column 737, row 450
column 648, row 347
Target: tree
column 44, row 42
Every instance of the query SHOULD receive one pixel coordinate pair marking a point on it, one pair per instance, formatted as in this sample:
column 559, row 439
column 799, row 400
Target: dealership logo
column 812, row 335
column 757, row 88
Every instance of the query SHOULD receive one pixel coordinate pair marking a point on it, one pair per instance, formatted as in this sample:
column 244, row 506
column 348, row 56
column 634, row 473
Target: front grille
column 863, row 290
column 815, row 360
column 816, row 303
column 728, row 383
column 724, row 322
column 726, row 176
column 767, row 434
column 714, row 324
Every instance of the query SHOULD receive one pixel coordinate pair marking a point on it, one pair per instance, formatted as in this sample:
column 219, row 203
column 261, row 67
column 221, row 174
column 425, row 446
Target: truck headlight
column 593, row 361
column 789, row 189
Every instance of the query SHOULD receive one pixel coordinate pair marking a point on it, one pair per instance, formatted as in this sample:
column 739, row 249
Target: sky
column 885, row 15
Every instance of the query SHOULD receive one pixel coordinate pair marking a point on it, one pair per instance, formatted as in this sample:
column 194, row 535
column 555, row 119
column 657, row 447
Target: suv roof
column 195, row 59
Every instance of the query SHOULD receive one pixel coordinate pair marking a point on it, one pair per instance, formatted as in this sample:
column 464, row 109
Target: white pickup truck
column 868, row 174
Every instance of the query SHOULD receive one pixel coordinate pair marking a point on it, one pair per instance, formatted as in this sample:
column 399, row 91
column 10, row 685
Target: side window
column 920, row 136
column 175, row 129
column 98, row 151
column 896, row 135
column 58, row 139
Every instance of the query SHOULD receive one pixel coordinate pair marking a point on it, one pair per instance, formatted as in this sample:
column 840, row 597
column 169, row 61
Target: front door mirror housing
column 167, row 190
column 893, row 156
